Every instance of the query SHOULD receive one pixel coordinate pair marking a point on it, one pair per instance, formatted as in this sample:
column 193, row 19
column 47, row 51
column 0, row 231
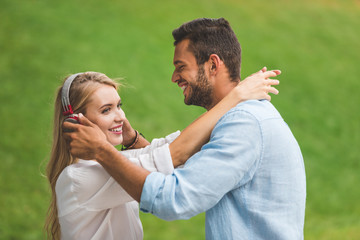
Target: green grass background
column 315, row 44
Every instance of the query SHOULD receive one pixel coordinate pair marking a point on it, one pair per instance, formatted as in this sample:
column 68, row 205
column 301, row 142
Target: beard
column 200, row 93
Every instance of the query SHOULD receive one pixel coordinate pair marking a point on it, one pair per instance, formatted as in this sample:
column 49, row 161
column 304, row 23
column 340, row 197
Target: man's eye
column 119, row 105
column 180, row 68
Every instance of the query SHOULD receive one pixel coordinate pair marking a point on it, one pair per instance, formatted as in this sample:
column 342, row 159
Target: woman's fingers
column 272, row 73
column 272, row 90
column 272, row 82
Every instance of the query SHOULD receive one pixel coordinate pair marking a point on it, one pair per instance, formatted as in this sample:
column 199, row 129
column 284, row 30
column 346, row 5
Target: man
column 249, row 178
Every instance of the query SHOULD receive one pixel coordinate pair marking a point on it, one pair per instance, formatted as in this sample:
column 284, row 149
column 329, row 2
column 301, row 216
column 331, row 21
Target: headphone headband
column 65, row 99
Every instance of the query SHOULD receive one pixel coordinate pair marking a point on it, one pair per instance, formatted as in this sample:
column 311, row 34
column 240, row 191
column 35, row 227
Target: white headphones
column 65, row 100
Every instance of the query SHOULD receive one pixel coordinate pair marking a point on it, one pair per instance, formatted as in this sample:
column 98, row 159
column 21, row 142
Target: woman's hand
column 129, row 133
column 132, row 139
column 257, row 86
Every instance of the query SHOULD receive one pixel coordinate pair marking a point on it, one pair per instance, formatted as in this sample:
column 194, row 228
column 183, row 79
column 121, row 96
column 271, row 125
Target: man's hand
column 258, row 85
column 85, row 139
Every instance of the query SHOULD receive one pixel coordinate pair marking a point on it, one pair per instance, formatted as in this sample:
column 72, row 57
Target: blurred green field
column 315, row 44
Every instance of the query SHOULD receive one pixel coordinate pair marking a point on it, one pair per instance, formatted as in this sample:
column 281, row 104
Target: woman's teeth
column 116, row 129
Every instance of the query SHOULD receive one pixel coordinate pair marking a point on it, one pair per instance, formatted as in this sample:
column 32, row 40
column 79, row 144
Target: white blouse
column 92, row 205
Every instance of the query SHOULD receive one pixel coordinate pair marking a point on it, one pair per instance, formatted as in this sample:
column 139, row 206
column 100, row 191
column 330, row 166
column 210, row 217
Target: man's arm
column 227, row 162
column 130, row 176
column 190, row 141
column 87, row 142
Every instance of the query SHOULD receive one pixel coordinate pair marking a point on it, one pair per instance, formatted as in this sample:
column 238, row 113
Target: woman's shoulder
column 82, row 167
column 77, row 183
column 83, row 175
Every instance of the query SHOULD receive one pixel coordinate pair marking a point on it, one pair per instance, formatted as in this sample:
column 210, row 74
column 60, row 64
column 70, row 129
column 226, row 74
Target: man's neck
column 221, row 89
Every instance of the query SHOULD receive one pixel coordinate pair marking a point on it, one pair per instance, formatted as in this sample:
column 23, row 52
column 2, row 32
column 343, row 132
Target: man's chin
column 186, row 101
column 190, row 103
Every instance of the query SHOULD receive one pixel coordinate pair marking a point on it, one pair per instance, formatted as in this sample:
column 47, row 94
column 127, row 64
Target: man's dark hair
column 212, row 36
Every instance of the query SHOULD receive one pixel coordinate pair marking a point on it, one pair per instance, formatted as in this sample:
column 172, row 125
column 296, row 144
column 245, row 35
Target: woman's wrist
column 129, row 137
column 133, row 142
column 138, row 141
column 235, row 95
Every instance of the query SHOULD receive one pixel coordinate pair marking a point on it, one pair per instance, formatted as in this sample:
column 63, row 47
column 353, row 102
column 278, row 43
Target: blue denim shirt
column 249, row 178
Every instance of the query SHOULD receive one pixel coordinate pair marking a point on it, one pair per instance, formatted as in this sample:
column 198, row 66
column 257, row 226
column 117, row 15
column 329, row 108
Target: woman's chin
column 116, row 142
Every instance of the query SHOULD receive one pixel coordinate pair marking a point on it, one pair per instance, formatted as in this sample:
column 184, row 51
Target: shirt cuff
column 153, row 184
column 162, row 159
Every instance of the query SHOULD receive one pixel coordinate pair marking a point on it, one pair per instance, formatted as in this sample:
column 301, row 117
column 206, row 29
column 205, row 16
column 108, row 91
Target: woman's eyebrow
column 106, row 105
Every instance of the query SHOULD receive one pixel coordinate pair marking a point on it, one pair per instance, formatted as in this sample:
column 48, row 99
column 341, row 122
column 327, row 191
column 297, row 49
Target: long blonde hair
column 83, row 86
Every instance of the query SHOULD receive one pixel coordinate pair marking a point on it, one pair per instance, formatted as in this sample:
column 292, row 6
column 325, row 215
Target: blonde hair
column 83, row 86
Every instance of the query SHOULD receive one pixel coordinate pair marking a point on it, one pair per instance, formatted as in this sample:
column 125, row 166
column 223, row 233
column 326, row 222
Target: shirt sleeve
column 87, row 184
column 228, row 161
column 156, row 157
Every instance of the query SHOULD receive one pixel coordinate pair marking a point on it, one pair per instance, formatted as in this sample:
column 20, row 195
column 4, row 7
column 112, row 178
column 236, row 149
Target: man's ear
column 214, row 64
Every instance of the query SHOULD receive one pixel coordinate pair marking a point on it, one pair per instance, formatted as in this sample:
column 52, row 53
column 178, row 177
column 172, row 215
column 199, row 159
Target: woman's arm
column 193, row 137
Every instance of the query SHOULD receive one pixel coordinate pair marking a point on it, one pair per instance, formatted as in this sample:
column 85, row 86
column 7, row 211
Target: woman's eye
column 119, row 105
column 105, row 110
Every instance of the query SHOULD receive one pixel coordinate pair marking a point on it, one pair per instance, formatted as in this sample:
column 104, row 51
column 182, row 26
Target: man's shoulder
column 259, row 109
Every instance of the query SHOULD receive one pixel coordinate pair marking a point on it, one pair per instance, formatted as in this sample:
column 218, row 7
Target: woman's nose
column 120, row 115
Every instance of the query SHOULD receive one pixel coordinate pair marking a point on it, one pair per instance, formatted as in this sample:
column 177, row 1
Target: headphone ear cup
column 72, row 120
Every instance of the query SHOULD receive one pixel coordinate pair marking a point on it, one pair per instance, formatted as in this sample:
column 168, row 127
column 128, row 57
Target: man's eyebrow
column 178, row 62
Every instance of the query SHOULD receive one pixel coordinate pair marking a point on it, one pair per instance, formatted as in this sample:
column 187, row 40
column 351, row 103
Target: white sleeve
column 87, row 184
column 156, row 157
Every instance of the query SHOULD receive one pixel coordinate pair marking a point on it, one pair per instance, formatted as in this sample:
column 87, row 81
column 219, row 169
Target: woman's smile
column 117, row 129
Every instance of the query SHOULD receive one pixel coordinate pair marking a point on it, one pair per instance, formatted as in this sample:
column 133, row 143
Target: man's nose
column 175, row 77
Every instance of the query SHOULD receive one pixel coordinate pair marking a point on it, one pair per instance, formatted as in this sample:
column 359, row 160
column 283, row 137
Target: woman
column 86, row 202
